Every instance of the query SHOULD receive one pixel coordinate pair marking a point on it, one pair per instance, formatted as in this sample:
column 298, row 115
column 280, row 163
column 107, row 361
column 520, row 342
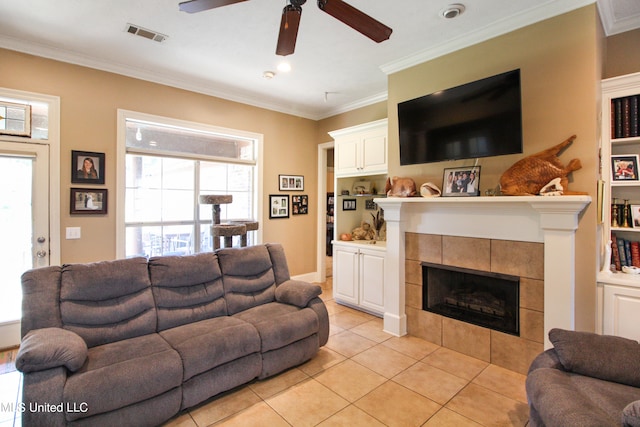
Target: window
column 168, row 165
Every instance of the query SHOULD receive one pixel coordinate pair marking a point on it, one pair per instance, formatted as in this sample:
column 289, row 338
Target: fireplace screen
column 483, row 298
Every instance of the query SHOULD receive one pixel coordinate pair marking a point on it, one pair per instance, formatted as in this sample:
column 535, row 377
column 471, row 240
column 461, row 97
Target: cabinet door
column 372, row 280
column 345, row 274
column 346, row 156
column 622, row 311
column 374, row 153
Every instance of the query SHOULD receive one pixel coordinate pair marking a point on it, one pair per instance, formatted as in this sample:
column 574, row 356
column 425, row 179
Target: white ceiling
column 223, row 52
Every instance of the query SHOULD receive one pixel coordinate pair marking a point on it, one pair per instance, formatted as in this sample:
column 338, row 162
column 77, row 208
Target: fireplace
column 482, row 298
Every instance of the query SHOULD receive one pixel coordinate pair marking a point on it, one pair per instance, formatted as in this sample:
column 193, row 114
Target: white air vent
column 147, row 34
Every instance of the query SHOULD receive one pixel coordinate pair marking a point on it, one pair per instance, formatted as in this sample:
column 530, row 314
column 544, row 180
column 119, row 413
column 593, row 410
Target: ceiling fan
column 292, row 12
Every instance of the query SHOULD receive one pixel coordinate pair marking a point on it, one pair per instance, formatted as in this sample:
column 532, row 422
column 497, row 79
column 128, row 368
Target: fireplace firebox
column 482, row 298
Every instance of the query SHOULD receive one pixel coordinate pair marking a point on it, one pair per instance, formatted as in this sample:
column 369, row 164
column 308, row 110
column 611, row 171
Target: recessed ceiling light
column 452, row 11
column 285, row 67
column 268, row 75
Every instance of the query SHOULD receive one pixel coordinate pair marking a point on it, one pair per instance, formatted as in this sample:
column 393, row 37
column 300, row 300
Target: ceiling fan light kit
column 292, row 12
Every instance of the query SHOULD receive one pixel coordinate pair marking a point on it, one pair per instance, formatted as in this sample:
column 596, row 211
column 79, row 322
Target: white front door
column 24, row 226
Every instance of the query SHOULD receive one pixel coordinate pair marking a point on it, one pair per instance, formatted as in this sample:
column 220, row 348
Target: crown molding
column 613, row 25
column 547, row 10
column 205, row 88
column 364, row 102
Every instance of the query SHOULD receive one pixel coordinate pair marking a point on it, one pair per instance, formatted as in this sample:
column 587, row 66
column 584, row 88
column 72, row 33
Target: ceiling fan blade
column 356, row 19
column 288, row 30
column 194, row 6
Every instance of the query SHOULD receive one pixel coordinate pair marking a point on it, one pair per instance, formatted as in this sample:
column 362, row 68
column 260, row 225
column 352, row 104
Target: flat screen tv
column 478, row 119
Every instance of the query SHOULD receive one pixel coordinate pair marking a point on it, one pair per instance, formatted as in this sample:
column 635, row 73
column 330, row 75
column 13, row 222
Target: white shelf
column 625, row 184
column 619, row 278
column 625, row 229
column 618, row 142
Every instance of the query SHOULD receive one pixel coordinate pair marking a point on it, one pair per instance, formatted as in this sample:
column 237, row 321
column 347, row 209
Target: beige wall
column 366, row 114
column 89, row 100
column 622, row 54
column 560, row 74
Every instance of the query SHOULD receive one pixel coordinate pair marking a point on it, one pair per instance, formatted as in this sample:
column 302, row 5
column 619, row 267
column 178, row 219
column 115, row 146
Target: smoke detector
column 452, row 11
column 137, row 30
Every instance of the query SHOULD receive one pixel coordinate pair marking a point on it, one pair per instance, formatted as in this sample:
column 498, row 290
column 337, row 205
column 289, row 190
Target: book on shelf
column 624, row 252
column 624, row 117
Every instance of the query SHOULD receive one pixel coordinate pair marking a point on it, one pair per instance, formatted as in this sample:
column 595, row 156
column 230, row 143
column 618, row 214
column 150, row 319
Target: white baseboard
column 308, row 277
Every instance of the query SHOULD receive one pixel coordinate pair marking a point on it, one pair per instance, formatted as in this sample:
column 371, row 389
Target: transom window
column 167, row 167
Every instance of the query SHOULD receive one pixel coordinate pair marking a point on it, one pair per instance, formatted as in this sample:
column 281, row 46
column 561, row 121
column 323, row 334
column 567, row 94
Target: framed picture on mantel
column 463, row 181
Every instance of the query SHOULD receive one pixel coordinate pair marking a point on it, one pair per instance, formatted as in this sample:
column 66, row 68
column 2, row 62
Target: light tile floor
column 362, row 377
column 366, row 377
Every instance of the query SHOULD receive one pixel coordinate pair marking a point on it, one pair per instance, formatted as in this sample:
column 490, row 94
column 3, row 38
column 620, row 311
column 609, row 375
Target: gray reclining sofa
column 133, row 342
column 585, row 380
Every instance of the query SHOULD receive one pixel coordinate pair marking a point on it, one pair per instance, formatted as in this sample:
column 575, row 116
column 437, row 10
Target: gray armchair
column 585, row 380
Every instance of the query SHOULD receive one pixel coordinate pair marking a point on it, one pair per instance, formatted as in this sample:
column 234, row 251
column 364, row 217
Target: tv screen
column 478, row 119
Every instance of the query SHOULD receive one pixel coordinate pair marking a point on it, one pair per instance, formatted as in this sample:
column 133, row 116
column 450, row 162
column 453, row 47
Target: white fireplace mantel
column 549, row 220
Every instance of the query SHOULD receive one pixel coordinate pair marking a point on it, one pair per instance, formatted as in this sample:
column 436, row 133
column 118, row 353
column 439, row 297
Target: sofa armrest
column 631, row 414
column 49, row 348
column 546, row 359
column 605, row 357
column 297, row 292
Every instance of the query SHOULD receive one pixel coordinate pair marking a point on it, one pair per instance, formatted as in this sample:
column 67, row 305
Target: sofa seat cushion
column 280, row 324
column 565, row 398
column 212, row 342
column 122, row 373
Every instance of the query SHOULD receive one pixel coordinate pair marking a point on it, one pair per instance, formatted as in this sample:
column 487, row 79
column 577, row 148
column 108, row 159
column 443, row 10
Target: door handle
column 41, row 254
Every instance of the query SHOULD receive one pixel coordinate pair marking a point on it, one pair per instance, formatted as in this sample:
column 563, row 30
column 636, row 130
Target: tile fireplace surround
column 531, row 237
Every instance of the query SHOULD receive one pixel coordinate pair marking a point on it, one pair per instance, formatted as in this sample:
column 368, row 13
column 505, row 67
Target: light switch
column 73, row 233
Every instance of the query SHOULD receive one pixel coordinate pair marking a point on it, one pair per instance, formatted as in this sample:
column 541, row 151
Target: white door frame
column 321, row 267
column 53, row 190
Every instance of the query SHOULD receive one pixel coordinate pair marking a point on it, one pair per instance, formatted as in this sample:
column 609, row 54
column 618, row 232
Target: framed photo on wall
column 291, row 182
column 278, row 206
column 349, row 205
column 463, row 181
column 624, row 168
column 300, row 205
column 88, row 201
column 87, row 167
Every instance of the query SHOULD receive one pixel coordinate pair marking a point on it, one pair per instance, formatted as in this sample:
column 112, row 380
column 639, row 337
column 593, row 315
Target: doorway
column 24, row 225
column 325, row 159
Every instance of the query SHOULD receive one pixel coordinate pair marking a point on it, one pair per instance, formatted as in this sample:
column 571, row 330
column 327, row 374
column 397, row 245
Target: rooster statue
column 540, row 174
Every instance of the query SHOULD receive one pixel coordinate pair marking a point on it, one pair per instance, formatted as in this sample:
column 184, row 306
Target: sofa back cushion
column 107, row 301
column 248, row 278
column 606, row 357
column 186, row 289
column 279, row 262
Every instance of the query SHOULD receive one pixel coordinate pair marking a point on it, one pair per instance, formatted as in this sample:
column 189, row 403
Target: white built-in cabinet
column 618, row 293
column 358, row 275
column 622, row 311
column 358, row 266
column 361, row 150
